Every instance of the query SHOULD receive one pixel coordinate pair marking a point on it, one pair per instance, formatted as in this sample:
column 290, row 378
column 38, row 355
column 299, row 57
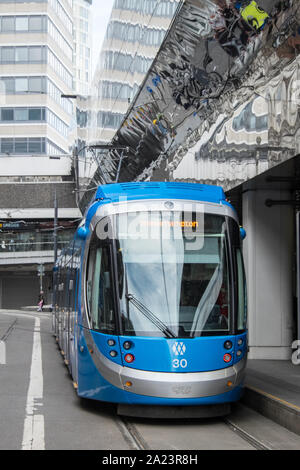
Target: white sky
column 101, row 10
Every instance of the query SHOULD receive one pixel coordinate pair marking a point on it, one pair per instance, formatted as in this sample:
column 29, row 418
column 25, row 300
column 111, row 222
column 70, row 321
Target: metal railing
column 32, row 241
column 28, row 247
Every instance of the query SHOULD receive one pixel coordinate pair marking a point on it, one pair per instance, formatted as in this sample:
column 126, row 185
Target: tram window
column 166, row 273
column 100, row 290
column 242, row 296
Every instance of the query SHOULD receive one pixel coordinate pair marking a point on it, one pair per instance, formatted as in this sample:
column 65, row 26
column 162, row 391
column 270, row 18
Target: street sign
column 11, row 225
column 41, row 269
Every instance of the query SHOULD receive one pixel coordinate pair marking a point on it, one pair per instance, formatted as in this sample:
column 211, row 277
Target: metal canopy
column 201, row 76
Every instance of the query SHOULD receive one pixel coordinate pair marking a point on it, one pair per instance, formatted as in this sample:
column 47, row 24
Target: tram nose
column 201, row 354
column 180, row 355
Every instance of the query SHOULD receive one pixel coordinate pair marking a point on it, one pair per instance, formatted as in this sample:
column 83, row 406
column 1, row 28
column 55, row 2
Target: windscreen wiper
column 150, row 316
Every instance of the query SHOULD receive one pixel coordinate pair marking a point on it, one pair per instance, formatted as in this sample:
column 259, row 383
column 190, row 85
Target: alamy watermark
column 296, row 353
column 157, row 223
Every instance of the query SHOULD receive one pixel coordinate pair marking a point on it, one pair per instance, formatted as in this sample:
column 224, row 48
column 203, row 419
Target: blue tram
column 150, row 300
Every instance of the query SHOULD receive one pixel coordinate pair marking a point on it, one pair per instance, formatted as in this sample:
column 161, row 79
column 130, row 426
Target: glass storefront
column 33, row 241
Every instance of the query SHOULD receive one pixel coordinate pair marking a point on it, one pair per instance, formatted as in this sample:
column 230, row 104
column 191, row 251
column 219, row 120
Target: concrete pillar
column 268, row 252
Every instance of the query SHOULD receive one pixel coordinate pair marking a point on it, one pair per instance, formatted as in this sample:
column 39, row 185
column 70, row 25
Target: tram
column 150, row 300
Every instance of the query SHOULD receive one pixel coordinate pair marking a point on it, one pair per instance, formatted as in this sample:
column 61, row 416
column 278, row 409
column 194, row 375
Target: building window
column 7, row 115
column 35, row 146
column 21, row 54
column 21, row 85
column 7, row 146
column 20, row 146
column 35, row 54
column 34, row 115
column 22, row 23
column 7, row 54
column 8, row 24
column 21, row 115
column 36, row 24
column 35, row 85
column 31, row 145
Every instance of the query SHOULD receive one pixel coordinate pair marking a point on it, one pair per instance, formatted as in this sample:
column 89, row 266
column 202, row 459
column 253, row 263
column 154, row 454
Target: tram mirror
column 243, row 233
column 82, row 233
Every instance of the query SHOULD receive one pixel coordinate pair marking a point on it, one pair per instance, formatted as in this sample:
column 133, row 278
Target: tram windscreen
column 173, row 274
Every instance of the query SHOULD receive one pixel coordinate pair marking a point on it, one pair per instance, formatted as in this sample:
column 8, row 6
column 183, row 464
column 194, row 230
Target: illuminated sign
column 11, row 225
column 169, row 223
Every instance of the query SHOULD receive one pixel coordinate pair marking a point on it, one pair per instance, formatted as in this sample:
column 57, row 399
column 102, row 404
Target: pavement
column 273, row 389
column 33, row 308
column 6, row 324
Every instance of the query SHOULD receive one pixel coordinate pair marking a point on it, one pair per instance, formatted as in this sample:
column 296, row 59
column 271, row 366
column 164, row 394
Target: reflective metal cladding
column 220, row 103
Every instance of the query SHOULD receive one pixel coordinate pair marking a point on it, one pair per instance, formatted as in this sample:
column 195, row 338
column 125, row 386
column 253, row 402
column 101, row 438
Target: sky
column 101, row 10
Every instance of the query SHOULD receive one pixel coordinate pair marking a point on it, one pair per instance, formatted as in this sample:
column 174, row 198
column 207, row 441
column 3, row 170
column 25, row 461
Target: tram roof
column 161, row 190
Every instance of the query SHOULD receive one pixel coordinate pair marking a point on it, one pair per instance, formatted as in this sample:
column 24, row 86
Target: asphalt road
column 39, row 408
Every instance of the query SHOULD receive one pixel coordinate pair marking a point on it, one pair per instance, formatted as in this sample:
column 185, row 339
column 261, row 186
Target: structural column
column 269, row 251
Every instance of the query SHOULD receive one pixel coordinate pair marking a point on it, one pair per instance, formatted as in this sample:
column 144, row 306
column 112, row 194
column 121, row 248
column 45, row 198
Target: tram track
column 132, row 435
column 136, row 441
column 8, row 331
column 253, row 441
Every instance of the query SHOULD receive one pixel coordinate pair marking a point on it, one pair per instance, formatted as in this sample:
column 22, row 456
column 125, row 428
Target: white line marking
column 2, row 353
column 34, row 426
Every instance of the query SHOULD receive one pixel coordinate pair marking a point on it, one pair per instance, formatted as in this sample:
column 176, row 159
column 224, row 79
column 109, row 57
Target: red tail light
column 129, row 358
column 227, row 357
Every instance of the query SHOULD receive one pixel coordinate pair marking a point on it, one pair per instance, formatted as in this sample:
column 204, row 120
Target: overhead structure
column 212, row 94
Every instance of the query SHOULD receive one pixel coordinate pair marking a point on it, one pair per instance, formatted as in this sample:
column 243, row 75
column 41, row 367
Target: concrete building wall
column 37, row 195
column 19, row 291
column 22, row 290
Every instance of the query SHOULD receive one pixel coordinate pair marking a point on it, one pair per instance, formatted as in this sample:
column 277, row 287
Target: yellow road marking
column 284, row 402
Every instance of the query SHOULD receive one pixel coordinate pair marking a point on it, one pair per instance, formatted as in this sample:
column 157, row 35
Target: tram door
column 298, row 273
column 69, row 289
column 74, row 285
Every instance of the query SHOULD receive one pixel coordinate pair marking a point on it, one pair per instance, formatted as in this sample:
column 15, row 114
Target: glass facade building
column 82, row 46
column 134, row 34
column 36, row 68
column 37, row 133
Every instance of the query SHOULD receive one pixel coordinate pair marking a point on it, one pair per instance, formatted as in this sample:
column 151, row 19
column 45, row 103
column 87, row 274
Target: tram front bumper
column 182, row 385
column 171, row 384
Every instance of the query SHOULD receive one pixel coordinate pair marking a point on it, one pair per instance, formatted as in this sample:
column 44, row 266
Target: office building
column 82, row 46
column 134, row 34
column 37, row 131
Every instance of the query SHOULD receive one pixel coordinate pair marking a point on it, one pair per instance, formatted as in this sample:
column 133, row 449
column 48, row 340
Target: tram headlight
column 127, row 345
column 111, row 342
column 113, row 353
column 240, row 342
column 228, row 345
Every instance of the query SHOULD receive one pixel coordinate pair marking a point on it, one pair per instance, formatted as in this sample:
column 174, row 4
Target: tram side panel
column 67, row 306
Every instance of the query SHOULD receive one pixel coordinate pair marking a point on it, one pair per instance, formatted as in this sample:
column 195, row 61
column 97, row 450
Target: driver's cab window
column 100, row 291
